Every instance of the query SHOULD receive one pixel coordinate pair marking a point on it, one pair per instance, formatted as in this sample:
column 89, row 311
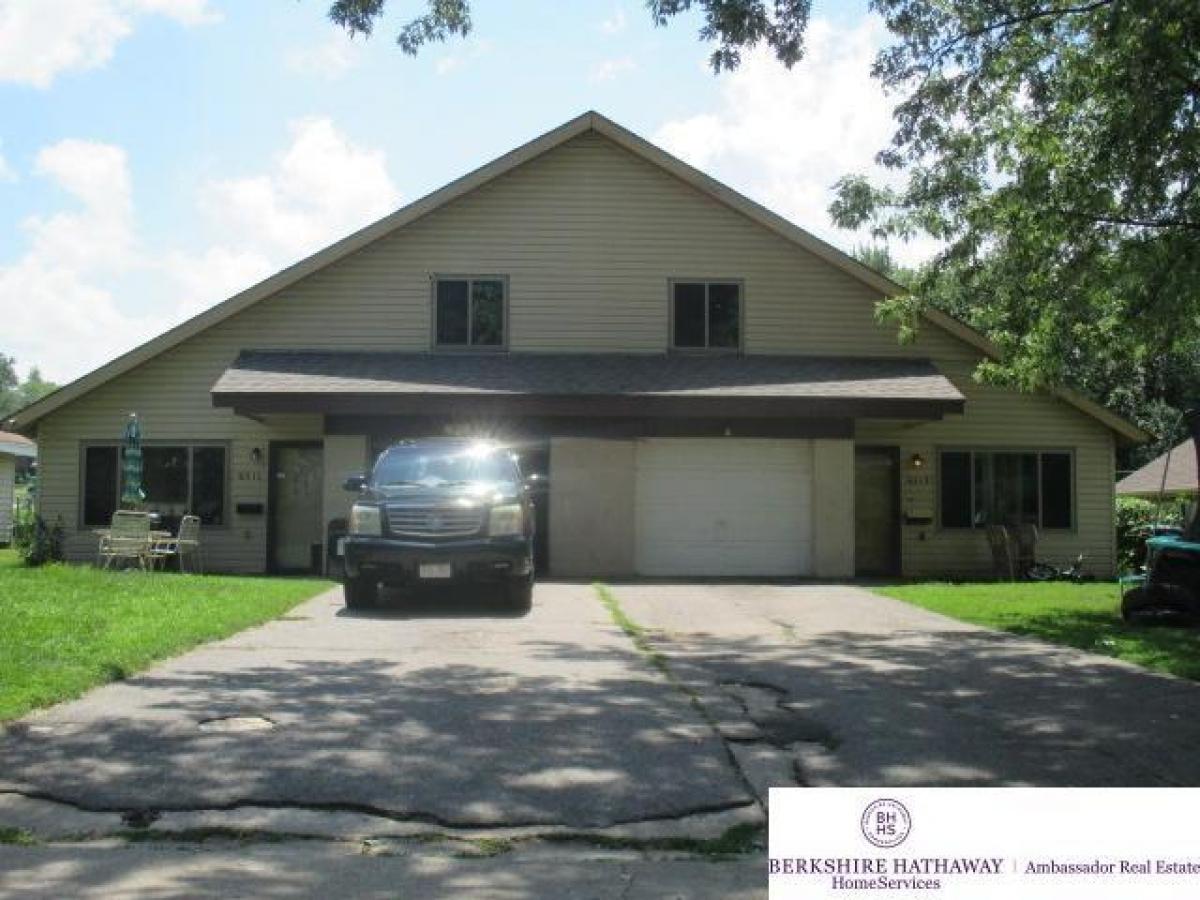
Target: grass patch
column 1086, row 616
column 635, row 632
column 736, row 840
column 68, row 628
column 18, row 837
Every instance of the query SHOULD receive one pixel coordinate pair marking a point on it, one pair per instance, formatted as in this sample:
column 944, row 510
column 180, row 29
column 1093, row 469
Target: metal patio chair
column 1003, row 563
column 185, row 545
column 1024, row 539
column 127, row 538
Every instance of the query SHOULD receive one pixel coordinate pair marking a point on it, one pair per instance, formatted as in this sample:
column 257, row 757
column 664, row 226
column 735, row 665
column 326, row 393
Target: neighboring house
column 13, row 447
column 1179, row 466
column 705, row 384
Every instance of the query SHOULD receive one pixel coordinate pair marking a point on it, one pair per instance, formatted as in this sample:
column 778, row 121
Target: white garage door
column 723, row 507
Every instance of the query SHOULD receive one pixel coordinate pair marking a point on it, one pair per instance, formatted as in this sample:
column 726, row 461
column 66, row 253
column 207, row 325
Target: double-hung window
column 706, row 315
column 469, row 313
column 979, row 488
column 177, row 480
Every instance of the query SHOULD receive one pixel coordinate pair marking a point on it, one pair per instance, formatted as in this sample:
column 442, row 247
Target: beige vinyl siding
column 589, row 236
column 999, row 419
column 8, row 470
column 239, row 546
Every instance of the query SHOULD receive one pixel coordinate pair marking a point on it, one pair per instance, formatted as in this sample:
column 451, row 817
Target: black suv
column 440, row 511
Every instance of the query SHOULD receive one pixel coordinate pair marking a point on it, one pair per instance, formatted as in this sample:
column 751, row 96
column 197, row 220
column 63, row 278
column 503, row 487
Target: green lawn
column 1086, row 616
column 64, row 629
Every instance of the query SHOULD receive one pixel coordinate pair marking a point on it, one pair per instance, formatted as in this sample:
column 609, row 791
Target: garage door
column 723, row 507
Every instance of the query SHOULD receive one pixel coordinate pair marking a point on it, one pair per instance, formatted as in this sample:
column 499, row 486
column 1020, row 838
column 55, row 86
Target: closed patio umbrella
column 131, row 464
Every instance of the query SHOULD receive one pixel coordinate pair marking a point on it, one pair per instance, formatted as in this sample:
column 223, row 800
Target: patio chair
column 1025, row 540
column 128, row 538
column 1002, row 552
column 185, row 545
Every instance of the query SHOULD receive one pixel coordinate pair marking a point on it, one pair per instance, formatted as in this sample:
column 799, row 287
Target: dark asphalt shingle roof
column 12, row 444
column 676, row 375
column 1148, row 480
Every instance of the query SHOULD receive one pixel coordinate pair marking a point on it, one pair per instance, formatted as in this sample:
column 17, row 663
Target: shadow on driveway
column 550, row 719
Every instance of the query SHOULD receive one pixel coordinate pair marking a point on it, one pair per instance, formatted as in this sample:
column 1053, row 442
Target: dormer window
column 706, row 315
column 470, row 312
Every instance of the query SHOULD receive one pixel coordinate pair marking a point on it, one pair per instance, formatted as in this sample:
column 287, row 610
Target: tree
column 734, row 24
column 14, row 393
column 9, row 385
column 880, row 258
column 1053, row 147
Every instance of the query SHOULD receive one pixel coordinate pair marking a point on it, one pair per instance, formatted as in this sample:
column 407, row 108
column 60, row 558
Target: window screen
column 469, row 312
column 980, row 488
column 100, row 486
column 706, row 315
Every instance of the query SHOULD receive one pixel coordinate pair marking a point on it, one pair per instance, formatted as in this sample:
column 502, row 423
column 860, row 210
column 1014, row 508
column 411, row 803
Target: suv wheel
column 360, row 593
column 519, row 595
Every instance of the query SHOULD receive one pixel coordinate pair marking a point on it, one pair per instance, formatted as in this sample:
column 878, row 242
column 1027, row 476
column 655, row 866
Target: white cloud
column 7, row 172
column 58, row 314
column 40, row 40
column 201, row 279
column 611, row 69
column 320, row 188
column 616, row 23
column 98, row 237
column 784, row 137
column 89, row 286
column 332, row 59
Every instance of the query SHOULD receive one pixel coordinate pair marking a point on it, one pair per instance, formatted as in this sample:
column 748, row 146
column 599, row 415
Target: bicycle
column 1043, row 571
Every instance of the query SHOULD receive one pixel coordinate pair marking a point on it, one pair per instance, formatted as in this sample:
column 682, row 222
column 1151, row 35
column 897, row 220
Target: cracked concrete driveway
column 865, row 690
column 458, row 720
column 410, row 736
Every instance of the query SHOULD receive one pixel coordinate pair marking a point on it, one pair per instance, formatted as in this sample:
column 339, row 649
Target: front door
column 296, row 539
column 876, row 511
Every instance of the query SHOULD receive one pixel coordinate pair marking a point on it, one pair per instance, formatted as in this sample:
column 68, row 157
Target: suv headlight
column 365, row 520
column 506, row 520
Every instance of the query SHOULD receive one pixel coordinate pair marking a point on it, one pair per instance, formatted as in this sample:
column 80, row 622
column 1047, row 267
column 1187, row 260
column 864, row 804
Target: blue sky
column 158, row 155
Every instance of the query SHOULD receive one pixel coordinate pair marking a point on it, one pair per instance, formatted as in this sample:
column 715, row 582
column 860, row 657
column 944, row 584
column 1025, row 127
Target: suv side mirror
column 355, row 483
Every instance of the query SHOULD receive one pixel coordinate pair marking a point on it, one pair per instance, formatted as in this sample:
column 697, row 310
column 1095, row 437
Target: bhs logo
column 886, row 823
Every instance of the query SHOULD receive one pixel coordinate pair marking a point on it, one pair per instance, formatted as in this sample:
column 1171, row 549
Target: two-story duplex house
column 704, row 383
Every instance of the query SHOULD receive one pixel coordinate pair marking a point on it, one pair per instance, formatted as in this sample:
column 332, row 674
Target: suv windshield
column 434, row 466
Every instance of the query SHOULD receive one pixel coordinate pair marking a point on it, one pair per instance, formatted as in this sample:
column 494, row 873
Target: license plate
column 434, row 570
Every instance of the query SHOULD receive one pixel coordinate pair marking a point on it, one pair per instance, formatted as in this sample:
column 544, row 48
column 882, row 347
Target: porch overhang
column 584, row 386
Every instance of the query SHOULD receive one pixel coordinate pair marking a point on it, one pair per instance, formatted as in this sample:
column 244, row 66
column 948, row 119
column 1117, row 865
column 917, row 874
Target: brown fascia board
column 588, row 406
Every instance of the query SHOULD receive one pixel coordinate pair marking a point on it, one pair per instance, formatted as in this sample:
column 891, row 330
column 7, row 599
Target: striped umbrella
column 131, row 464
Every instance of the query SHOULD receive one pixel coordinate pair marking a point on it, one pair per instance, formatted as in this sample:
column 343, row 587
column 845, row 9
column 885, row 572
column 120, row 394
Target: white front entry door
column 723, row 506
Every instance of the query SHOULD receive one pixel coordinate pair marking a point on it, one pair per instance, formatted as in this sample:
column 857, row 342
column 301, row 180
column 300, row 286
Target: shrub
column 37, row 542
column 1135, row 522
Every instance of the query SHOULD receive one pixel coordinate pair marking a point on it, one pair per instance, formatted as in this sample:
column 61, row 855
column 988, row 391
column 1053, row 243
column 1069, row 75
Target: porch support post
column 833, row 509
column 345, row 455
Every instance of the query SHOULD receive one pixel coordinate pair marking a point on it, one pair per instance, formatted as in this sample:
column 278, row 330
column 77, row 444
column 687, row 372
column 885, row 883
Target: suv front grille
column 434, row 521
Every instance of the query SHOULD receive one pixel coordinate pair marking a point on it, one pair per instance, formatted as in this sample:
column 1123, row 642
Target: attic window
column 469, row 313
column 706, row 315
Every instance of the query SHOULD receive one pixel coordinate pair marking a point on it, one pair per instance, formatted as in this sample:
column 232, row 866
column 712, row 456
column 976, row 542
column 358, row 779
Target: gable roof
column 1179, row 465
column 588, row 122
column 16, row 445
